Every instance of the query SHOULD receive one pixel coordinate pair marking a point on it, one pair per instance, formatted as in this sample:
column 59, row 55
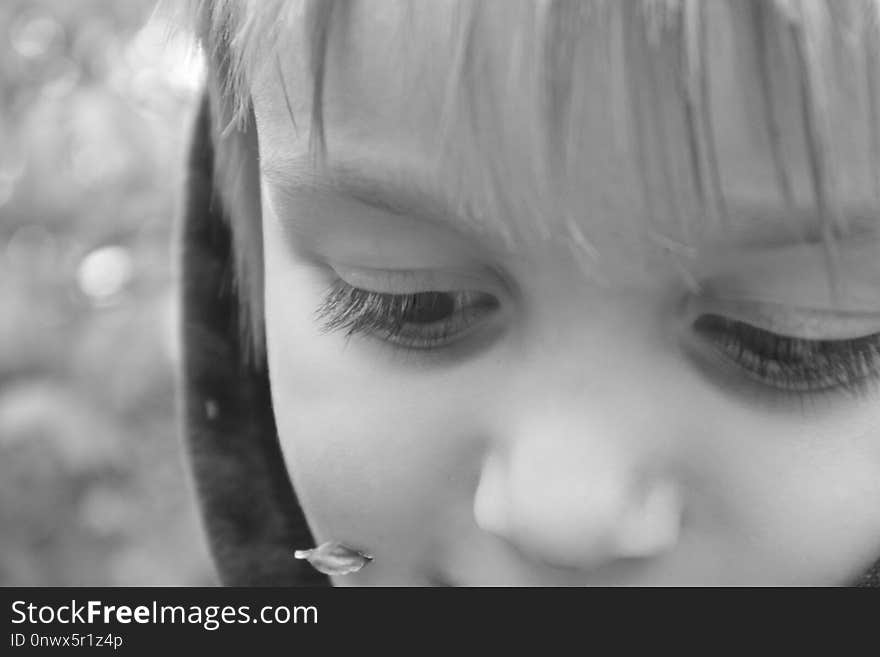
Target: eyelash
column 777, row 361
column 793, row 364
column 392, row 317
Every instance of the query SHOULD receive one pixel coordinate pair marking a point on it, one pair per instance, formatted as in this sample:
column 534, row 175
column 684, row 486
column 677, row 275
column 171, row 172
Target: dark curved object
column 249, row 509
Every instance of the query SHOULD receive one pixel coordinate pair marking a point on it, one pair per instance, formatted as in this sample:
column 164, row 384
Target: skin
column 584, row 433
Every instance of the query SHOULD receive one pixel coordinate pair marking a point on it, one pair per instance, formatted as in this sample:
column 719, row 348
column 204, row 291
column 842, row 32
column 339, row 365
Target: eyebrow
column 396, row 191
column 764, row 225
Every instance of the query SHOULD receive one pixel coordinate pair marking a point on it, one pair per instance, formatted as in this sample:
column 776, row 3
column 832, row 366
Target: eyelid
column 411, row 281
column 787, row 320
column 798, row 276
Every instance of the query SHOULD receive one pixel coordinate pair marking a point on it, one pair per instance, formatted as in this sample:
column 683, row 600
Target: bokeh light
column 94, row 100
column 104, row 273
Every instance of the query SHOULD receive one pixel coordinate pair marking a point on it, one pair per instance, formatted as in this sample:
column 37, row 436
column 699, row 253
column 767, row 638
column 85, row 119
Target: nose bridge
column 578, row 477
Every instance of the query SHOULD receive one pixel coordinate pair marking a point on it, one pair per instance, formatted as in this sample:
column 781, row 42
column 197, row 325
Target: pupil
column 429, row 307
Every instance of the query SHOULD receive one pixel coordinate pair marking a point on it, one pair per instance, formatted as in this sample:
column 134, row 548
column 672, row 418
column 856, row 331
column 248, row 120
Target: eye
column 793, row 364
column 420, row 320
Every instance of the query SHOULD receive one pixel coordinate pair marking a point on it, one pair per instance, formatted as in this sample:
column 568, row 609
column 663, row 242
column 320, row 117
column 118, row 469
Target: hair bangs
column 703, row 105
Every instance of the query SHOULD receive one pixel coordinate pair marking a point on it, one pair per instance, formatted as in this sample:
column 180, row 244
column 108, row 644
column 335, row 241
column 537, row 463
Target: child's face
column 609, row 401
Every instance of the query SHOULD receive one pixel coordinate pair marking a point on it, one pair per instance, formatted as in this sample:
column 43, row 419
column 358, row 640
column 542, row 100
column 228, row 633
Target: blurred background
column 95, row 100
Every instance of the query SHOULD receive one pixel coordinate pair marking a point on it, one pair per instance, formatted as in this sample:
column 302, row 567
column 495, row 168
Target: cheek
column 802, row 506
column 379, row 450
column 838, row 523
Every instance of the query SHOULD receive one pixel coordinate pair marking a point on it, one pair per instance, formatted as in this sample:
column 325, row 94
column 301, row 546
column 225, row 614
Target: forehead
column 589, row 119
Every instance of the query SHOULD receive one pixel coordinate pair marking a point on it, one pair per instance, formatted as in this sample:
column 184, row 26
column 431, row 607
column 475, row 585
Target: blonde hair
column 823, row 54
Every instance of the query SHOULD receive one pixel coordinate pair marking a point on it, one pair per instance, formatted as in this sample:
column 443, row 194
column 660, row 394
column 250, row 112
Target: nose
column 576, row 495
